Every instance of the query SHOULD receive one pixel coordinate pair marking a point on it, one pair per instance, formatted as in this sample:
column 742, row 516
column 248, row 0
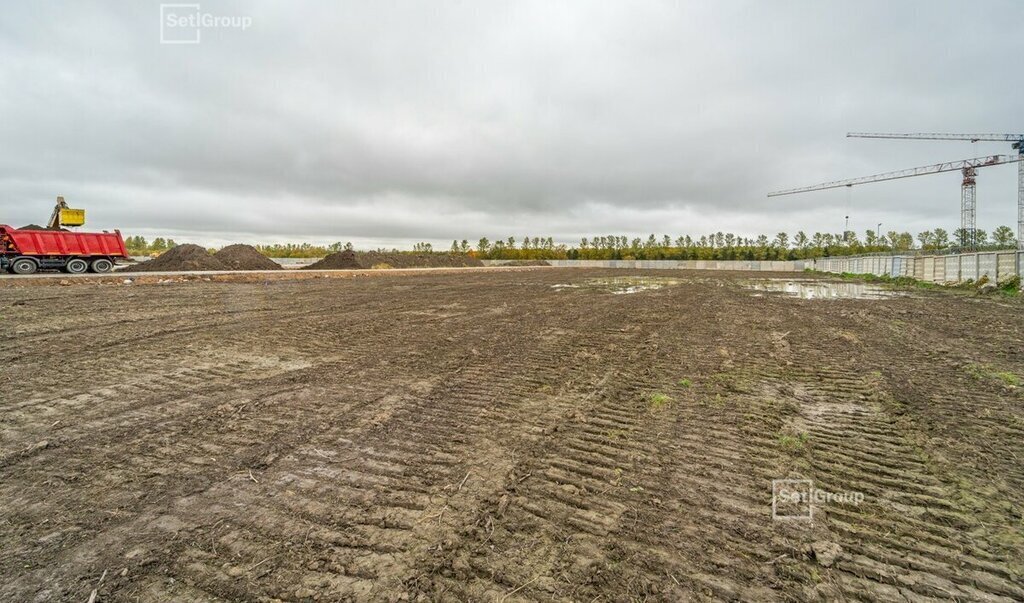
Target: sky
column 388, row 123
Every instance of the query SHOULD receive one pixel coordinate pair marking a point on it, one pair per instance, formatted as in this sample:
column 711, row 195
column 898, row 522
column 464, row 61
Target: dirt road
column 499, row 436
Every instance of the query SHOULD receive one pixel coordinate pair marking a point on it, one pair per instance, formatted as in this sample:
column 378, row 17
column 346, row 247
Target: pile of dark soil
column 182, row 257
column 343, row 260
column 351, row 260
column 526, row 263
column 417, row 260
column 245, row 257
column 38, row 227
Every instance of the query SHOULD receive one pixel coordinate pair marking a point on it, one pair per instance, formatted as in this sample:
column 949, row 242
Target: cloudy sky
column 385, row 123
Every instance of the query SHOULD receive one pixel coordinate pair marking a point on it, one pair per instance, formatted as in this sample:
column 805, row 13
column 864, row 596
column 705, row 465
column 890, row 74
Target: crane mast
column 968, row 200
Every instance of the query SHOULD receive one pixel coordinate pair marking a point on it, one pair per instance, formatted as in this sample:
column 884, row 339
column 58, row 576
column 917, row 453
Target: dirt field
column 491, row 437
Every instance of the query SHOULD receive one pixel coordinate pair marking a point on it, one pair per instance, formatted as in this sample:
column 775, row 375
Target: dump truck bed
column 64, row 243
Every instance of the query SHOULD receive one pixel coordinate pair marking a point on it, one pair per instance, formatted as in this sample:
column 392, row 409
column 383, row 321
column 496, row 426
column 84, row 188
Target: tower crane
column 967, row 198
column 965, row 166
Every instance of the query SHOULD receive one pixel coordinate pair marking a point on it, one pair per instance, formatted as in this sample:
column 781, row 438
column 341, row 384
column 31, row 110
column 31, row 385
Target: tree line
column 713, row 246
column 728, row 246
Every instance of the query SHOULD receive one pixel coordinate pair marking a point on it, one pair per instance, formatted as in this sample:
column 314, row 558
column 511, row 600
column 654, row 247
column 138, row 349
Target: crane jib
column 1015, row 138
column 949, row 166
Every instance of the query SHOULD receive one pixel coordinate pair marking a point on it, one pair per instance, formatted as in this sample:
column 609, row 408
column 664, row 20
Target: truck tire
column 24, row 266
column 76, row 266
column 101, row 265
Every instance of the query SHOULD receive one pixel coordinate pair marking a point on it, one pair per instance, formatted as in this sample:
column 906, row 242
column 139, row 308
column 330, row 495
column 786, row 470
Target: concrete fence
column 943, row 269
column 998, row 266
column 754, row 265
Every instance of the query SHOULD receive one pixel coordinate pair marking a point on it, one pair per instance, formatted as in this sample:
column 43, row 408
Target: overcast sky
column 385, row 123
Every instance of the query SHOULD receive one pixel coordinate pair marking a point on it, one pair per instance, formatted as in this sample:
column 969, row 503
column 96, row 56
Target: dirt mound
column 526, row 263
column 182, row 257
column 351, row 260
column 38, row 227
column 343, row 260
column 245, row 257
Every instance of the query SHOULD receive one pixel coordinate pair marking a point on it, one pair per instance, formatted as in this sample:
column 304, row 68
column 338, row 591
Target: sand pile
column 351, row 260
column 182, row 257
column 245, row 257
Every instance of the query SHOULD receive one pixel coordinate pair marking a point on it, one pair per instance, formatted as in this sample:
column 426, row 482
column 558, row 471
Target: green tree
column 1003, row 237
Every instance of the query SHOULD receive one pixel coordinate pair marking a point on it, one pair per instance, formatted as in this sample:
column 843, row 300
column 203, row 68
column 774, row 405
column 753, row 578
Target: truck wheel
column 76, row 266
column 101, row 265
column 24, row 266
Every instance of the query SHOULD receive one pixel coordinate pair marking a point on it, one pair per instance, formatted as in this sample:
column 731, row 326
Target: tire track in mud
column 488, row 437
column 419, row 490
column 910, row 539
column 572, row 510
column 164, row 426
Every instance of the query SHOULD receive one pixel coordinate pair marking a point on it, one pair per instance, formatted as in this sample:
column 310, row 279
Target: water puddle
column 815, row 289
column 622, row 285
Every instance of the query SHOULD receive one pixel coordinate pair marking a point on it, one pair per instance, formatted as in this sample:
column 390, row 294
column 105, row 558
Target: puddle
column 815, row 289
column 623, row 285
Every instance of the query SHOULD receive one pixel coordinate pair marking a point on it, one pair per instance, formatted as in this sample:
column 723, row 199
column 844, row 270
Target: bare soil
column 487, row 436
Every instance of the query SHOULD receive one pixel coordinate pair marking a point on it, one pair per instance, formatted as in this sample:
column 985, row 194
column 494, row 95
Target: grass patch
column 1008, row 378
column 658, row 401
column 793, row 442
column 1010, row 287
column 902, row 282
column 685, row 383
column 731, row 382
column 980, row 372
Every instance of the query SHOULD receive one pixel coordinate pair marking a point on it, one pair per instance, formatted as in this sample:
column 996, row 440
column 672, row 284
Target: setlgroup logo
column 796, row 499
column 184, row 23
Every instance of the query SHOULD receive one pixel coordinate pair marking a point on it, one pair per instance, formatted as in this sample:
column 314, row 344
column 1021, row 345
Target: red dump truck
column 25, row 251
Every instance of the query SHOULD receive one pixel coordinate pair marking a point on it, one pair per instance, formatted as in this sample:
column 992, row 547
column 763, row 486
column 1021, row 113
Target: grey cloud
column 392, row 122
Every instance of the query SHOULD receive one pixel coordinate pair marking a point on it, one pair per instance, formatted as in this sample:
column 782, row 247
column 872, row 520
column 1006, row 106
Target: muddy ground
column 487, row 436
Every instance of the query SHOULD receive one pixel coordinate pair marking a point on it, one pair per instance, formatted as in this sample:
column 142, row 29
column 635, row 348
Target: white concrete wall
column 752, row 265
column 946, row 269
